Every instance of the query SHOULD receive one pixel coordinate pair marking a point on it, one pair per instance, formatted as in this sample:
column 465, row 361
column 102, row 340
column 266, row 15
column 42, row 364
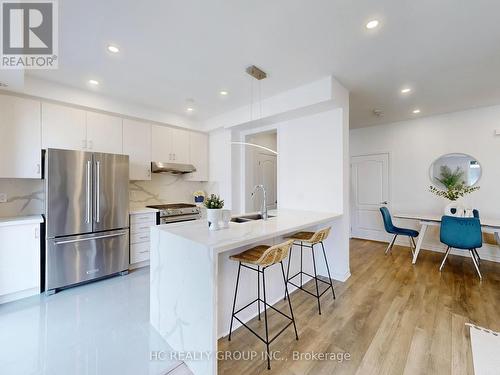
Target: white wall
column 266, row 139
column 414, row 145
column 219, row 150
column 311, row 175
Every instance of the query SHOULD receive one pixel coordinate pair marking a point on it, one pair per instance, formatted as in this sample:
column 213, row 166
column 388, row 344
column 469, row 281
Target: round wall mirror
column 453, row 169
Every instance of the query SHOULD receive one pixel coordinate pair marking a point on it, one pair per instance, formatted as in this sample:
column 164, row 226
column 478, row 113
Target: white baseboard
column 139, row 265
column 18, row 295
column 341, row 277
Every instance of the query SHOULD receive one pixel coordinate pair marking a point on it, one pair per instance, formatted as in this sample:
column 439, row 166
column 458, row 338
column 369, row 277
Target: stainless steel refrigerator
column 87, row 216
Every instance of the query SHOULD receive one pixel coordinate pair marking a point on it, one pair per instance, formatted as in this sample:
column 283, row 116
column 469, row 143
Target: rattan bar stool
column 263, row 257
column 309, row 239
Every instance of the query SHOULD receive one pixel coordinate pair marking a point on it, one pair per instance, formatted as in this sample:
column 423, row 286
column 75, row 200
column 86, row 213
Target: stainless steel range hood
column 172, row 168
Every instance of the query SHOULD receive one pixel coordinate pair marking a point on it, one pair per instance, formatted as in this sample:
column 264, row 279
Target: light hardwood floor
column 392, row 317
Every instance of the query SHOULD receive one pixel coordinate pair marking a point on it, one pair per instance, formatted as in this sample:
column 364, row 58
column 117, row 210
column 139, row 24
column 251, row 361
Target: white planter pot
column 454, row 208
column 214, row 216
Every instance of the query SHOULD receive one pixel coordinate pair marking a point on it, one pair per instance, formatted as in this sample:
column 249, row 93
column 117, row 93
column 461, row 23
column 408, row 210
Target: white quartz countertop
column 142, row 210
column 242, row 234
column 20, row 220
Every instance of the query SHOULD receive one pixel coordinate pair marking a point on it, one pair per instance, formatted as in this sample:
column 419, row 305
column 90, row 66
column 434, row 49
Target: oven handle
column 91, row 238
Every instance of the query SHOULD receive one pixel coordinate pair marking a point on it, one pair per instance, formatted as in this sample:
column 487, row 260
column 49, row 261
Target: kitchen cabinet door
column 19, row 260
column 180, row 145
column 137, row 144
column 20, row 138
column 104, row 133
column 63, row 127
column 198, row 156
column 162, row 144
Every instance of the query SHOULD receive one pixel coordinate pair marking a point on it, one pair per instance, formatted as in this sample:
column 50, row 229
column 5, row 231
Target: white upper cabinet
column 198, row 156
column 20, row 138
column 170, row 145
column 180, row 146
column 137, row 144
column 104, row 133
column 63, row 127
column 161, row 140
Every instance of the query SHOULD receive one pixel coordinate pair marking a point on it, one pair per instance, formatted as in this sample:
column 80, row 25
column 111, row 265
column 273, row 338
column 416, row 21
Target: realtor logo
column 29, row 34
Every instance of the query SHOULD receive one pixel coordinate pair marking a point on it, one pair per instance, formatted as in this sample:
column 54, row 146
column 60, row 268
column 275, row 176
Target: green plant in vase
column 455, row 186
column 214, row 205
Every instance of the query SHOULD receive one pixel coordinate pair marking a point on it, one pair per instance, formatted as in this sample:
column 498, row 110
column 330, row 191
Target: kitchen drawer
column 143, row 218
column 141, row 227
column 138, row 237
column 139, row 252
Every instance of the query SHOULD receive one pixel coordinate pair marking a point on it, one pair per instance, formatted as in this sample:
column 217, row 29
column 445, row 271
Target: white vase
column 454, row 208
column 214, row 215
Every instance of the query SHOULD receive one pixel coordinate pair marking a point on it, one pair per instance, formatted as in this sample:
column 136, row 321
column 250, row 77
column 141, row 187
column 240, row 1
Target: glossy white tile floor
column 95, row 329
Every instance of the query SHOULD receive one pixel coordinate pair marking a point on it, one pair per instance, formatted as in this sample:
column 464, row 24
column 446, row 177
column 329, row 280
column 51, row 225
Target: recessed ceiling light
column 224, row 93
column 372, row 24
column 113, row 49
column 190, row 109
column 93, row 82
column 406, row 90
column 416, row 111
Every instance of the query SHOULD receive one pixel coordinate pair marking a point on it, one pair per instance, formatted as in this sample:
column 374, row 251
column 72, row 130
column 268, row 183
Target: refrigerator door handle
column 88, row 187
column 91, row 238
column 98, row 191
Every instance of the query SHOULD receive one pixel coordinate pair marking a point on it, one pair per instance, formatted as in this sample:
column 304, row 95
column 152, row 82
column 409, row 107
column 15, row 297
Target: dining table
column 426, row 220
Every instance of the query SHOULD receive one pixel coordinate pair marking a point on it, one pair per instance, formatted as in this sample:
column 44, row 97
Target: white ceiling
column 448, row 51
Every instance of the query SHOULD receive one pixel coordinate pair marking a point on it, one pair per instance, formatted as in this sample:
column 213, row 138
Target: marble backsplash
column 24, row 197
column 27, row 197
column 165, row 188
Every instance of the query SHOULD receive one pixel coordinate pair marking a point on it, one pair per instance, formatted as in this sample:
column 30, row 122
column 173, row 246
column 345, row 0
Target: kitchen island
column 192, row 279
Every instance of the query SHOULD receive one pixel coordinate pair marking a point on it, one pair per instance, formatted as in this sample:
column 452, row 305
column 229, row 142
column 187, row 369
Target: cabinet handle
column 37, row 233
column 143, row 252
column 148, row 171
column 91, row 145
column 174, row 156
column 38, row 169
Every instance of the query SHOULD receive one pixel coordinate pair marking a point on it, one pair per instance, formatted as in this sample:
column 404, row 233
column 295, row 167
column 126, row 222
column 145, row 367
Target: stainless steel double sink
column 248, row 218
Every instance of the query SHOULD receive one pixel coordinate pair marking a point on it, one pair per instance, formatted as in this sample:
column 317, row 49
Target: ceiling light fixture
column 190, row 109
column 406, row 90
column 372, row 24
column 113, row 49
column 224, row 93
column 93, row 82
column 416, row 111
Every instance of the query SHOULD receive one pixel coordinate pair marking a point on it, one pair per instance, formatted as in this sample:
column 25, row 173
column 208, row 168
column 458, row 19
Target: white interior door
column 370, row 191
column 266, row 174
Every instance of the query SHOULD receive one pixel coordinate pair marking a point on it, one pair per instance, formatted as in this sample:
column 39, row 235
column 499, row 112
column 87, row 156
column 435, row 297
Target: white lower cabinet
column 140, row 244
column 19, row 261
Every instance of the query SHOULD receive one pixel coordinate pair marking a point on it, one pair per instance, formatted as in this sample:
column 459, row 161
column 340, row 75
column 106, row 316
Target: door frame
column 352, row 195
column 242, row 136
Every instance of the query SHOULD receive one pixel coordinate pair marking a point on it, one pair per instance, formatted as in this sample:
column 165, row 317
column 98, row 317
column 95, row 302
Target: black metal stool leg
column 288, row 269
column 316, row 279
column 289, row 302
column 258, row 289
column 265, row 318
column 328, row 269
column 234, row 301
column 301, row 246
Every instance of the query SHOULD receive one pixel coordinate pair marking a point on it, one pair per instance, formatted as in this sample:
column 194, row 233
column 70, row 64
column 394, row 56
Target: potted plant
column 455, row 188
column 214, row 205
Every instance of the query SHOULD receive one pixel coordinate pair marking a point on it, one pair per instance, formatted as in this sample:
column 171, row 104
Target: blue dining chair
column 396, row 231
column 463, row 233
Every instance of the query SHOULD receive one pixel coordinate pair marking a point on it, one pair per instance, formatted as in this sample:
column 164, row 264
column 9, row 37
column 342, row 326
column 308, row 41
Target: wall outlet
column 3, row 198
